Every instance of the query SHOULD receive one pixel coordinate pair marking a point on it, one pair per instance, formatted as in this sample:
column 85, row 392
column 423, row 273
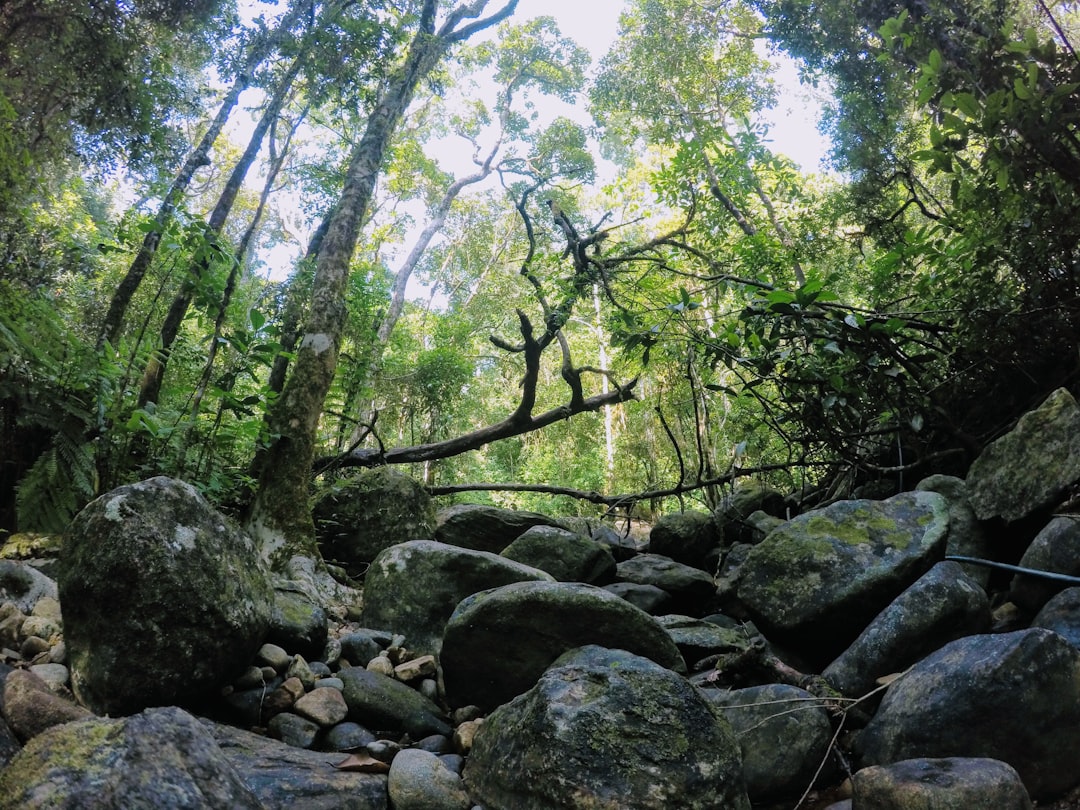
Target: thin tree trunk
column 280, row 517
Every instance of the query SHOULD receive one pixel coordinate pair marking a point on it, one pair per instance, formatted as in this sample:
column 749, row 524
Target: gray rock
column 361, row 646
column 951, row 783
column 784, row 734
column 347, row 735
column 294, row 730
column 361, row 515
column 30, row 707
column 383, row 704
column 1056, row 548
column 607, row 729
column 164, row 600
column 817, row 581
column 692, row 590
column 1028, row 468
column 23, row 585
column 732, row 516
column 274, row 656
column 649, row 598
column 698, row 638
column 1062, row 615
column 499, row 642
column 9, row 744
column 418, row 780
column 967, row 537
column 485, row 528
column 690, row 538
column 412, row 588
column 287, row 778
column 298, row 625
column 942, row 606
column 566, row 555
column 1013, row 697
column 326, row 707
column 159, row 758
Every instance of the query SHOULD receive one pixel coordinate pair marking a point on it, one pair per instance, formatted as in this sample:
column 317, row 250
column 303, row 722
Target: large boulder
column 732, row 516
column 1062, row 615
column 692, row 590
column 604, row 729
column 1056, row 548
column 412, row 588
column 498, row 642
column 381, row 703
column 485, row 528
column 1030, row 467
column 949, row 783
column 566, row 555
column 818, row 580
column 1013, row 697
column 360, row 516
column 164, row 600
column 690, row 538
column 967, row 537
column 942, row 606
column 159, row 758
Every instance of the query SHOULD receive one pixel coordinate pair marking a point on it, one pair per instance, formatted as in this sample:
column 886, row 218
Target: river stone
column 649, row 598
column 381, row 703
column 1030, row 467
column 692, row 590
column 361, row 515
column 498, row 642
column 298, row 625
column 23, row 585
column 690, row 538
column 818, row 580
column 158, row 758
column 412, row 588
column 698, row 638
column 485, row 528
column 566, row 555
column 1013, row 697
column 945, row 604
column 748, row 497
column 950, row 783
column 967, row 537
column 418, row 780
column 287, row 778
column 164, row 600
column 1056, row 548
column 607, row 730
column 29, row 706
column 1062, row 615
column 784, row 734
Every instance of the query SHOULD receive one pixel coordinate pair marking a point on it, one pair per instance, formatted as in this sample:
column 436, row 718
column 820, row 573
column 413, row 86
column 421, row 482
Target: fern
column 57, row 485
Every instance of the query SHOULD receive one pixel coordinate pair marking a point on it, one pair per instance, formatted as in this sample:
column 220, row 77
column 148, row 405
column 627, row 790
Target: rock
column 294, row 730
column 817, row 581
column 360, row 647
column 413, row 587
column 499, row 642
column 297, row 625
column 649, row 598
column 1030, row 467
column 55, row 676
column 622, row 545
column 731, row 517
column 11, row 622
column 384, row 704
column 30, row 707
column 418, row 780
column 485, row 528
column 784, row 734
column 566, row 555
column 362, row 515
column 271, row 655
column 9, row 744
column 607, row 729
column 326, row 707
column 966, row 538
column 1056, row 549
column 23, row 585
column 943, row 605
column 1013, row 697
column 698, row 638
column 689, row 538
column 951, row 783
column 692, row 590
column 347, row 735
column 158, row 758
column 1062, row 615
column 287, row 778
column 164, row 601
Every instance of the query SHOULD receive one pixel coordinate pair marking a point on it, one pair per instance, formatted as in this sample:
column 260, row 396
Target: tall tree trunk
column 280, row 516
column 150, row 387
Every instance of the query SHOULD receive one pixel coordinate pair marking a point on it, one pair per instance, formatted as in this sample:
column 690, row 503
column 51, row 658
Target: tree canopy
column 259, row 247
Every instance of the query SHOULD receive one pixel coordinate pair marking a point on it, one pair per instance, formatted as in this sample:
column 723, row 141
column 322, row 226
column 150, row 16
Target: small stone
column 30, row 707
column 274, row 656
column 299, row 669
column 40, row 626
column 421, row 667
column 383, row 750
column 11, row 629
column 320, row 670
column 294, row 730
column 47, row 607
column 359, row 648
column 429, row 688
column 348, row 735
column 454, row 762
column 381, row 664
column 283, row 698
column 331, row 683
column 269, row 673
column 464, row 735
column 418, row 780
column 323, row 706
column 435, row 743
column 32, row 647
column 58, row 653
column 332, row 651
column 56, row 676
column 466, row 713
column 251, row 678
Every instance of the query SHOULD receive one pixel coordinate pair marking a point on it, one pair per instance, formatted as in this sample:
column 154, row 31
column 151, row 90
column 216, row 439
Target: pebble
column 464, row 735
column 323, row 706
column 273, row 656
column 294, row 730
column 418, row 780
column 381, row 664
column 347, row 735
column 251, row 678
column 333, row 683
column 56, row 676
column 299, row 669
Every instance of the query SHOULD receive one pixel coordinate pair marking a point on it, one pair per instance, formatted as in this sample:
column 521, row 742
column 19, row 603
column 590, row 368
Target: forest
column 258, row 248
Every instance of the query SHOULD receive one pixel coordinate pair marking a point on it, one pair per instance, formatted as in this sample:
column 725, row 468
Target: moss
column 83, row 753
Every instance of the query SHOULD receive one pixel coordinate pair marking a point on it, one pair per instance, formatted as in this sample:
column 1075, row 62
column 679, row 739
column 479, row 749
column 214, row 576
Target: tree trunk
column 280, row 517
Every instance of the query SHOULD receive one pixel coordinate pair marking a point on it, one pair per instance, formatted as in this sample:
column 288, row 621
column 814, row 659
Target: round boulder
column 164, row 600
column 566, row 555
